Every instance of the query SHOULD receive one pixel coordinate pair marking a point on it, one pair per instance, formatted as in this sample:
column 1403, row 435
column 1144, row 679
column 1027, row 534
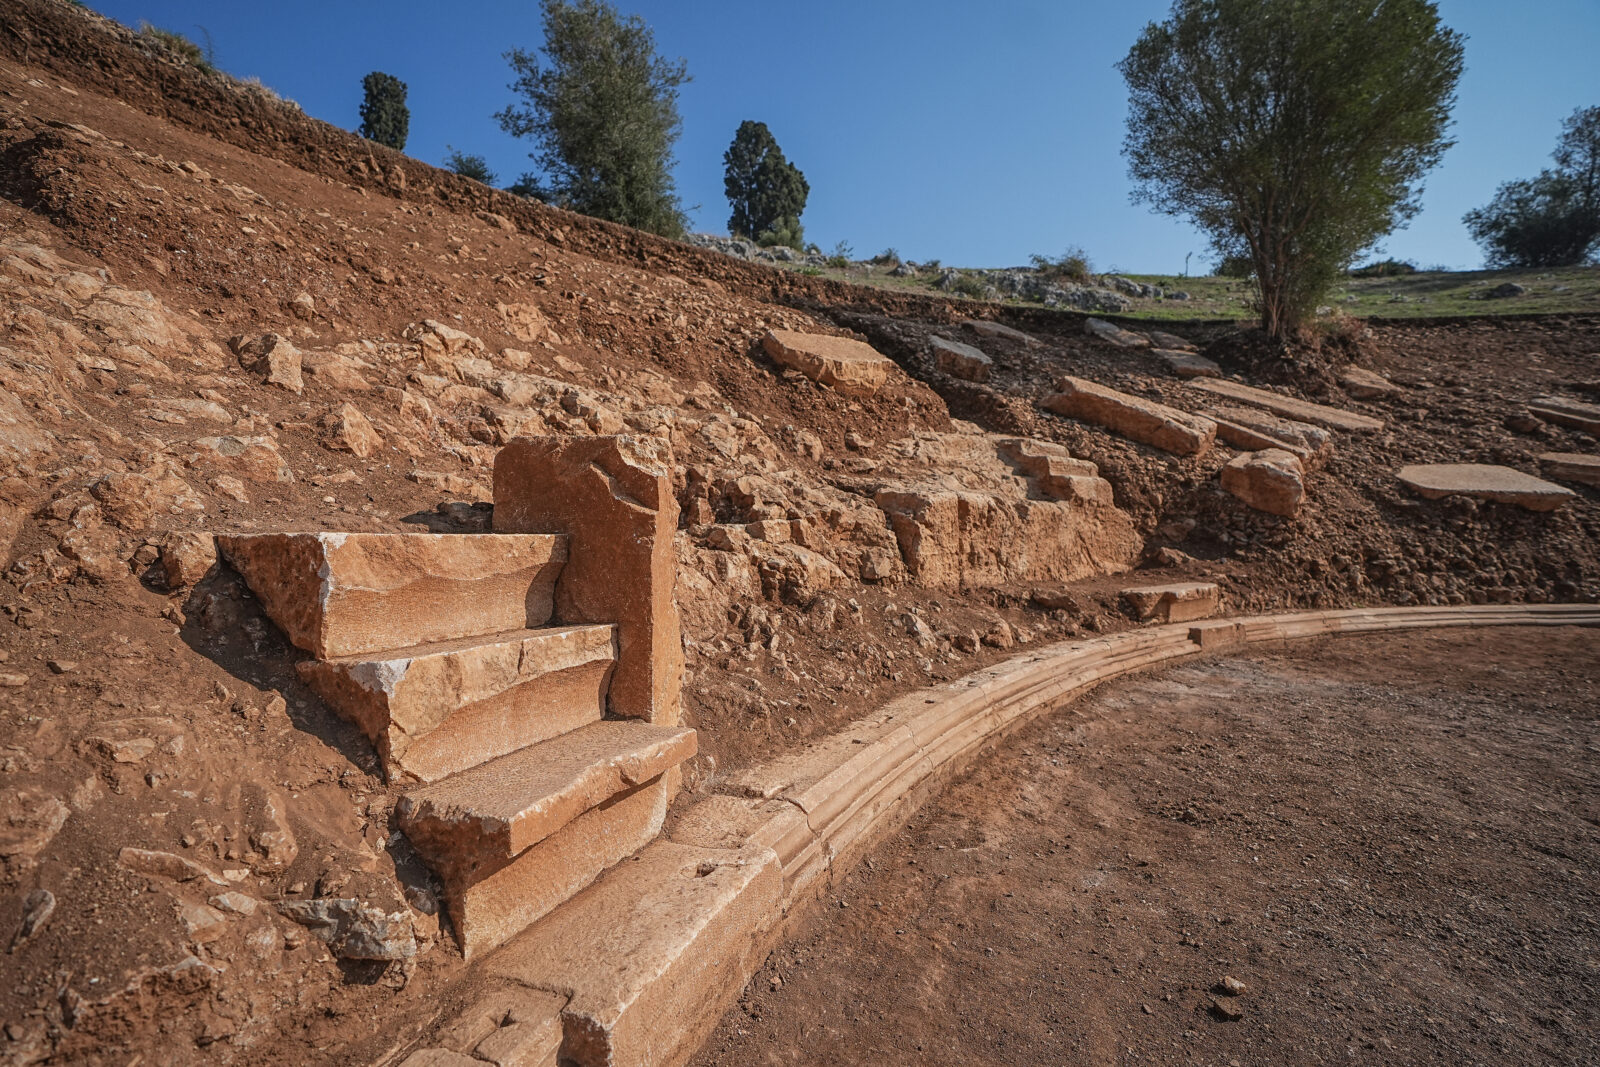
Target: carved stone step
column 652, row 954
column 337, row 594
column 436, row 709
column 1289, row 407
column 1133, row 417
column 495, row 811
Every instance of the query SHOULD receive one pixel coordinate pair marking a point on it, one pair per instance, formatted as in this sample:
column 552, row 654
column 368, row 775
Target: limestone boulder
column 1134, row 417
column 852, row 367
column 273, row 357
column 1253, row 429
column 1000, row 330
column 346, row 429
column 1111, row 332
column 961, row 361
column 1188, row 364
column 1271, row 480
column 1364, row 384
column 255, row 459
column 187, row 557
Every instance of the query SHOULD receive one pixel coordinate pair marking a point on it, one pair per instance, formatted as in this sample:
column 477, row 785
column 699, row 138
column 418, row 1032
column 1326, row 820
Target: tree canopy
column 469, row 165
column 1552, row 220
column 767, row 192
column 603, row 107
column 384, row 115
column 1294, row 132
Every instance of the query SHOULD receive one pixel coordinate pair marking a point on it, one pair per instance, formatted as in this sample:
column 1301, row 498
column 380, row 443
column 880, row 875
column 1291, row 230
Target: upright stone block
column 616, row 504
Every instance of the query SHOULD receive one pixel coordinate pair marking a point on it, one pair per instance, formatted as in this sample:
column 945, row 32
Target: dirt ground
column 1391, row 841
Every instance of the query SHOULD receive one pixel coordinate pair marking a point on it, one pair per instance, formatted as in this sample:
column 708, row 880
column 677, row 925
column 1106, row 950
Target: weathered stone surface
column 1364, row 384
column 346, row 429
column 653, row 953
column 999, row 330
column 1271, row 480
column 1188, row 364
column 1289, row 407
column 1219, row 635
column 1055, row 473
column 953, row 539
column 30, row 818
column 617, row 504
column 187, row 557
column 961, row 361
column 1110, row 331
column 255, row 458
column 346, row 594
column 273, row 357
column 506, row 1025
column 1254, row 429
column 1569, row 413
column 852, row 367
column 354, row 930
column 1143, row 420
column 1171, row 342
column 500, row 897
column 494, row 811
column 436, row 709
column 1572, row 467
column 1181, row 602
column 1486, row 482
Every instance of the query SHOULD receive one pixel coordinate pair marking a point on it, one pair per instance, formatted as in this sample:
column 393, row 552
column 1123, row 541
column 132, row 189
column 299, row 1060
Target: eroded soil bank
column 1391, row 841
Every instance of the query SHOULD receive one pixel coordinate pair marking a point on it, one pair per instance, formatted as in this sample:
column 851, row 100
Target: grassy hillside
column 1426, row 294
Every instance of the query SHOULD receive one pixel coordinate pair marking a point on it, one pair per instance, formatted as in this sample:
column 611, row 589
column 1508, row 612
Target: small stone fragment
column 37, row 908
column 353, row 930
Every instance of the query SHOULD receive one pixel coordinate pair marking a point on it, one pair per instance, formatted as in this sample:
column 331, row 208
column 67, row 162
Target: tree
column 469, row 166
column 604, row 109
column 384, row 115
column 1295, row 132
column 1552, row 220
column 767, row 192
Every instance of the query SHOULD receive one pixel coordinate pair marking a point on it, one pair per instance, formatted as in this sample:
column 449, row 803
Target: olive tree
column 1552, row 220
column 603, row 107
column 1293, row 132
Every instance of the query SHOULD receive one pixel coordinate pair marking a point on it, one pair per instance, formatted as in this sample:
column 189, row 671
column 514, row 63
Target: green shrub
column 1072, row 265
column 889, row 257
column 967, row 285
column 469, row 166
column 1384, row 268
column 179, row 46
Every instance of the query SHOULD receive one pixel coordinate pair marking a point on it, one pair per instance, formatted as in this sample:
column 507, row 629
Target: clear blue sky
column 976, row 134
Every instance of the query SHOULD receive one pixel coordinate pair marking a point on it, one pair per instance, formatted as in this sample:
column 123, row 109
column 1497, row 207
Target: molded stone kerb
column 615, row 501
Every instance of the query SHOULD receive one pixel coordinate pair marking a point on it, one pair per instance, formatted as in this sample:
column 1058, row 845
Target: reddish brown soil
column 1393, row 842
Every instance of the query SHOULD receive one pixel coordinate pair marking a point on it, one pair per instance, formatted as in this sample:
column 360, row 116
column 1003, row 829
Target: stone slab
column 1271, row 480
column 1364, row 384
column 852, row 367
column 652, row 954
column 1289, row 407
column 1187, row 364
column 1255, row 429
column 496, row 810
column 338, row 594
column 613, row 497
column 1171, row 342
column 1569, row 413
column 436, row 709
column 961, row 361
column 1134, row 417
column 1180, row 602
column 1110, row 331
column 1000, row 330
column 500, row 899
column 1484, row 481
column 1572, row 467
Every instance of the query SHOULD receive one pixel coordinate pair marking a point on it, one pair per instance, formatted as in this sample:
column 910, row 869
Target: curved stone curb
column 818, row 810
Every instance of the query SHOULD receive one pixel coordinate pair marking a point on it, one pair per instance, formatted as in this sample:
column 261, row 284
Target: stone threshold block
column 1289, row 407
column 1134, row 417
column 494, row 811
column 1572, row 467
column 1181, row 602
column 1219, row 635
column 345, row 594
column 852, row 367
column 653, row 953
column 1569, row 413
column 500, row 897
column 436, row 709
column 1484, row 481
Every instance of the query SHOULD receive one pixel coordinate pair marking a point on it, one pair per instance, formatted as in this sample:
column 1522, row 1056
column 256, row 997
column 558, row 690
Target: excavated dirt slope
column 221, row 316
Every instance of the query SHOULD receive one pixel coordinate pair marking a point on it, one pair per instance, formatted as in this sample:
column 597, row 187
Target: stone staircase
column 442, row 648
